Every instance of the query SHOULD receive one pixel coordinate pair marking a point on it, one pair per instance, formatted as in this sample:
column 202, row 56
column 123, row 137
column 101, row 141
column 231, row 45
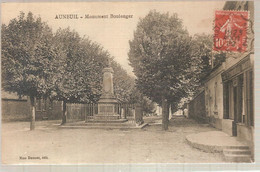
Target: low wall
column 227, row 125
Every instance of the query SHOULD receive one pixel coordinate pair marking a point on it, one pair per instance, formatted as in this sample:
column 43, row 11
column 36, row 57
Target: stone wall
column 197, row 108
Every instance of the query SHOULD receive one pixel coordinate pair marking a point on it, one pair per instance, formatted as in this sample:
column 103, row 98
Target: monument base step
column 106, row 117
column 106, row 121
column 104, row 125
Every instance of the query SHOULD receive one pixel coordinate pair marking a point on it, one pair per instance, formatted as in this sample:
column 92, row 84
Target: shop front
column 238, row 99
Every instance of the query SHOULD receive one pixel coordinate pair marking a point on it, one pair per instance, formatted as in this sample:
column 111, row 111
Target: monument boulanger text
column 90, row 16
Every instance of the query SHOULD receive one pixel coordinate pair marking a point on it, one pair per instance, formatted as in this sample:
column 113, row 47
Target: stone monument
column 107, row 104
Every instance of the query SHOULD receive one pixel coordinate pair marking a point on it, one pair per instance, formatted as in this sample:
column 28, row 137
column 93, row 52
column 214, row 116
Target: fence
column 81, row 111
column 126, row 109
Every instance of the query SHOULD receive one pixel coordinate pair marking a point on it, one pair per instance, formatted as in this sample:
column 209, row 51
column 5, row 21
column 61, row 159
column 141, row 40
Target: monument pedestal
column 107, row 104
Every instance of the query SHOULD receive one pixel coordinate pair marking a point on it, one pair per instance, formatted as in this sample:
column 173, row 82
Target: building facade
column 238, row 83
column 229, row 89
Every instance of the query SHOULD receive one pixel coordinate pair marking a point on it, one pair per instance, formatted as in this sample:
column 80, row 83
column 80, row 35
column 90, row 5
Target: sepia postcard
column 110, row 83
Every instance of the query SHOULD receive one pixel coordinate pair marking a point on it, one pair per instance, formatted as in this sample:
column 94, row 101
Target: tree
column 201, row 54
column 81, row 79
column 28, row 53
column 160, row 56
column 148, row 106
column 123, row 83
column 138, row 98
column 204, row 60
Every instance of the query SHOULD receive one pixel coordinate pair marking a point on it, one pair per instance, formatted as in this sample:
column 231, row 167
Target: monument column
column 107, row 103
column 108, row 89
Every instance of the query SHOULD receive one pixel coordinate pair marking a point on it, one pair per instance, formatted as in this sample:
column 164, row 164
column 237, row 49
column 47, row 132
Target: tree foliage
column 160, row 56
column 81, row 79
column 123, row 83
column 201, row 52
column 28, row 53
column 136, row 97
column 204, row 60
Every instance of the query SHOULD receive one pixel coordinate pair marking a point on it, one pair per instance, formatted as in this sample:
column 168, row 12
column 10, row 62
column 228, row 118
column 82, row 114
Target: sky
column 114, row 34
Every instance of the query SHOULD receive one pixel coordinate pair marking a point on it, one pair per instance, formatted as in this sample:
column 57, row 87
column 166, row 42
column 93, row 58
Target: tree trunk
column 64, row 112
column 125, row 108
column 32, row 124
column 165, row 113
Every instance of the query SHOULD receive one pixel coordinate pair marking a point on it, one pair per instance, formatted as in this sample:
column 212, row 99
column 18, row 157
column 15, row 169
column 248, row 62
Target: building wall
column 20, row 109
column 197, row 109
column 214, row 98
column 15, row 110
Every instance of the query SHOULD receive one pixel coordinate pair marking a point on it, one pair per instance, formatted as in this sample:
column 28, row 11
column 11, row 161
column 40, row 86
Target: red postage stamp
column 230, row 32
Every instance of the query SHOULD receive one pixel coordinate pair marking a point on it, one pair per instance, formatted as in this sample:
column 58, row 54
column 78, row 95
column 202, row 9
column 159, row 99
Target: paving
column 214, row 141
column 55, row 145
column 218, row 141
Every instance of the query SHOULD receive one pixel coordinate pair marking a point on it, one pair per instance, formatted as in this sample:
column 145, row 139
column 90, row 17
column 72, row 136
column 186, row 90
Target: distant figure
column 186, row 113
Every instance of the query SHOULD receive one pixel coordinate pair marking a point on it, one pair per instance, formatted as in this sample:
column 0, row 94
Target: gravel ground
column 54, row 145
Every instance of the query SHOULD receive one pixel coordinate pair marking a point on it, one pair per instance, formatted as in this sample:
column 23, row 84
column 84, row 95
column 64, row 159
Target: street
column 49, row 144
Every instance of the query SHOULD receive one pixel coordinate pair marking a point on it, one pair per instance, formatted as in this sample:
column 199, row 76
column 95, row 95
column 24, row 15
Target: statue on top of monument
column 108, row 62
